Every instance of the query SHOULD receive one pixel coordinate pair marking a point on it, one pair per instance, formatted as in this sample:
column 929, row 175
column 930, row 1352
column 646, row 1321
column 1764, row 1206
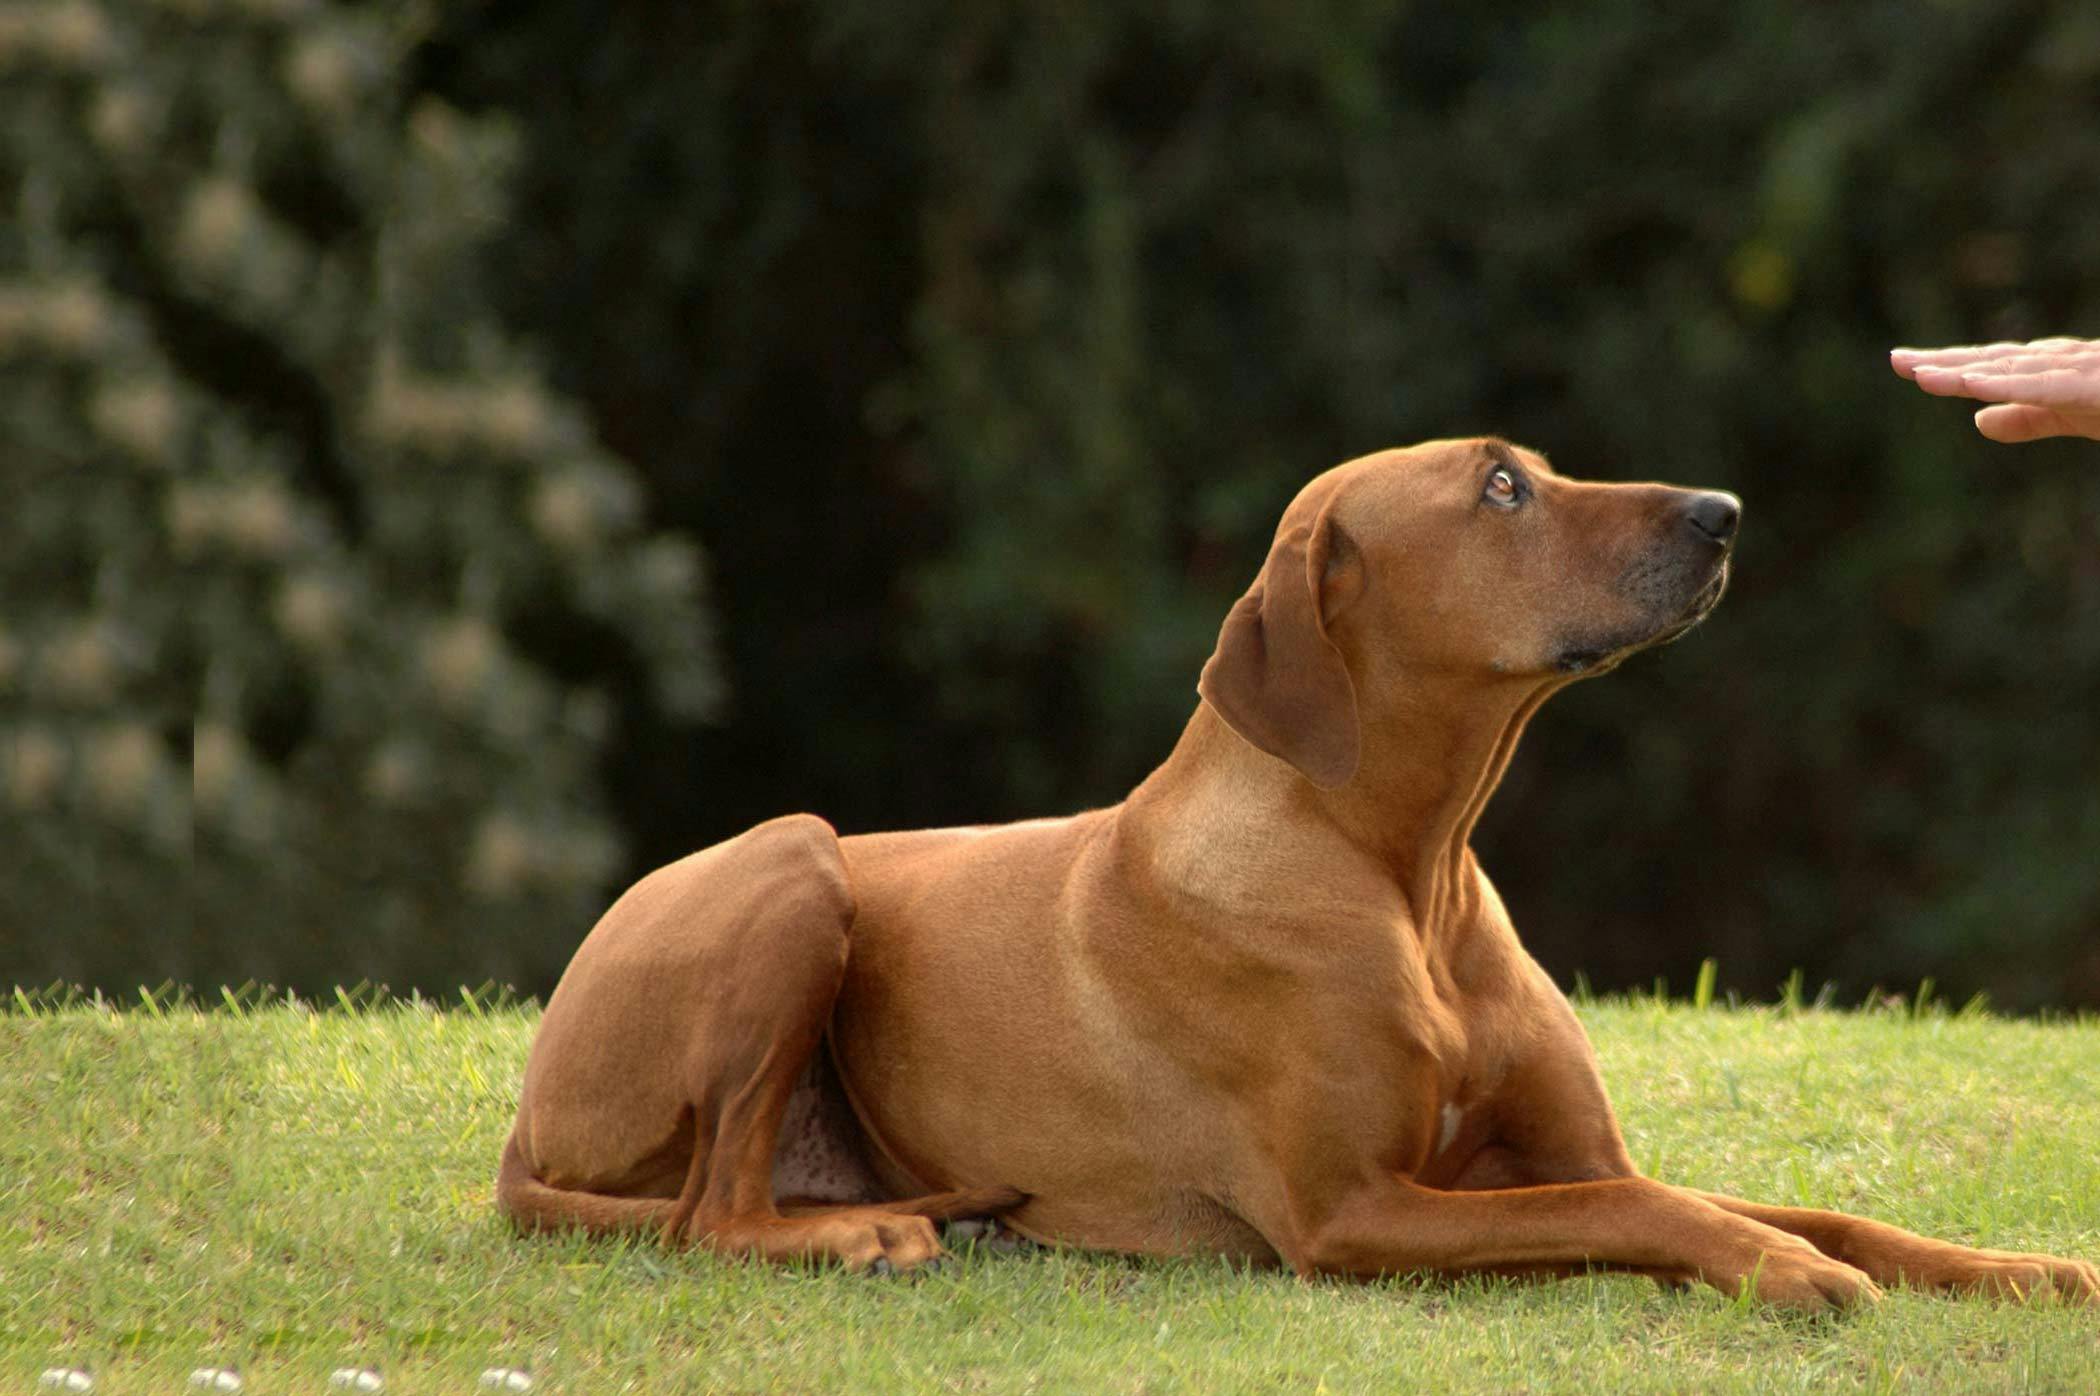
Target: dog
column 1268, row 1008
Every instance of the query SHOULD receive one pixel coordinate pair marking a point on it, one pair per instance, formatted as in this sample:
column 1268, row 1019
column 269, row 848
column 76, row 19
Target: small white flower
column 119, row 120
column 66, row 1379
column 189, row 512
column 459, row 656
column 562, row 511
column 507, row 1378
column 142, row 417
column 310, row 609
column 216, row 222
column 67, row 36
column 581, row 856
column 503, row 856
column 436, row 127
column 514, row 417
column 82, row 665
column 579, row 507
column 260, row 518
column 75, row 35
column 216, row 1378
column 121, row 764
column 72, row 318
column 322, row 69
column 356, row 1379
column 32, row 763
column 669, row 566
column 216, row 760
column 395, row 773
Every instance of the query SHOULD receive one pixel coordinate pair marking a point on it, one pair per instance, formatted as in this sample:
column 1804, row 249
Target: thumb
column 2014, row 422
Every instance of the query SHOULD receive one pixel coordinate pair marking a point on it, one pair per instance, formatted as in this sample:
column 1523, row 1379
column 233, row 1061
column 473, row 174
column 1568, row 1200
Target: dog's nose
column 1714, row 513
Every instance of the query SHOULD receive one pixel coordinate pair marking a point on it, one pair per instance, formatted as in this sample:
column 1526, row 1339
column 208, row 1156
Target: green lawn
column 292, row 1192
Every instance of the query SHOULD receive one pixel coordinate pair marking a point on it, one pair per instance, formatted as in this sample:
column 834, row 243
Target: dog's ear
column 1275, row 677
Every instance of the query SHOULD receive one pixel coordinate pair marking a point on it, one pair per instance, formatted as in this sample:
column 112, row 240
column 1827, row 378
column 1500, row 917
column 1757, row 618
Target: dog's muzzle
column 1676, row 582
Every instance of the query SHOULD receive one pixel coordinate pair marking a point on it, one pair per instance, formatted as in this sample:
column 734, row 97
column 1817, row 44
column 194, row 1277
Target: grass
column 293, row 1192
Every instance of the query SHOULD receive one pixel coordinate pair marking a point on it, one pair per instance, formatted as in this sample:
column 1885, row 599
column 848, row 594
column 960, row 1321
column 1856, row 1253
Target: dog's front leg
column 1391, row 1225
column 1893, row 1256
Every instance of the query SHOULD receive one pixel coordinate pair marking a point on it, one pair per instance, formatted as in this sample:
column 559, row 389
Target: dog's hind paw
column 986, row 1233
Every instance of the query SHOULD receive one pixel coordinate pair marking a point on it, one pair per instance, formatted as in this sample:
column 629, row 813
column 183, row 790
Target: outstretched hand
column 2050, row 387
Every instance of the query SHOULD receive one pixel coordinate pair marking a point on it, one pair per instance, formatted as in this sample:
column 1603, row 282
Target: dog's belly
column 825, row 1157
column 975, row 1109
column 822, row 1156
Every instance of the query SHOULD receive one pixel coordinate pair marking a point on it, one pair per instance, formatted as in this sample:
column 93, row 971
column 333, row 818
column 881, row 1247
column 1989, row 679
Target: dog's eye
column 1502, row 489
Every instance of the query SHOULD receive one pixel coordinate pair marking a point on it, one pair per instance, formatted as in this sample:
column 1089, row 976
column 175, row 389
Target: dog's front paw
column 1792, row 1274
column 2012, row 1275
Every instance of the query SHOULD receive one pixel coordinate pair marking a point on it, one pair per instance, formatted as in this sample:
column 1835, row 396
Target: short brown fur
column 1268, row 1007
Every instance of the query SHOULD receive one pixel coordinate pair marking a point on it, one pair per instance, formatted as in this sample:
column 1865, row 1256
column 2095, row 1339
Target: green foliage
column 316, row 591
column 1067, row 302
column 981, row 345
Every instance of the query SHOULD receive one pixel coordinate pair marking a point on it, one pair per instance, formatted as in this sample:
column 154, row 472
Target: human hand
column 2050, row 387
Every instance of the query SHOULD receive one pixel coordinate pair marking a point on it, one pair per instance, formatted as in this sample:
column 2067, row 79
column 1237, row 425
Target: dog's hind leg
column 690, row 1013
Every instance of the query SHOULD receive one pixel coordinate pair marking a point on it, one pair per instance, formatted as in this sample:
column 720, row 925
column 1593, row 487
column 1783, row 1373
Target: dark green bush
column 317, row 596
column 980, row 345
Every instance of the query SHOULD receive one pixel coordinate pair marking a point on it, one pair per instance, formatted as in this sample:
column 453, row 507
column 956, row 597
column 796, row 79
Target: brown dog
column 1269, row 1007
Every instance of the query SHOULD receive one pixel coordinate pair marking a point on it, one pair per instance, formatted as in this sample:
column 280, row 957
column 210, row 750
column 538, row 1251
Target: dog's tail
column 963, row 1202
column 533, row 1205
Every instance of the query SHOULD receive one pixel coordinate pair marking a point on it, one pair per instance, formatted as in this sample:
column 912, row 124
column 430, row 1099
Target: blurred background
column 461, row 455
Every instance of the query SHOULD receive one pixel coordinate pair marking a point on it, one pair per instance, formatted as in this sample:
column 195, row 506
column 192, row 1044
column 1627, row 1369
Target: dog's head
column 1454, row 559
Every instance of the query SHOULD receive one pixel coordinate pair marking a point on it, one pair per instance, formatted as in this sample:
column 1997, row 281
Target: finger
column 1963, row 353
column 2015, row 422
column 2074, row 389
column 1952, row 356
column 2056, row 351
column 1940, row 382
column 2076, row 359
column 2057, row 387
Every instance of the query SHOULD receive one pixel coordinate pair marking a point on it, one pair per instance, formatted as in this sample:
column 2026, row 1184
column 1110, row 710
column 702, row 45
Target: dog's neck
column 1431, row 760
column 1428, row 766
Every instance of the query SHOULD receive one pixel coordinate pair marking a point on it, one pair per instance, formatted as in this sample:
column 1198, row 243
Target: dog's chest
column 1467, row 1050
